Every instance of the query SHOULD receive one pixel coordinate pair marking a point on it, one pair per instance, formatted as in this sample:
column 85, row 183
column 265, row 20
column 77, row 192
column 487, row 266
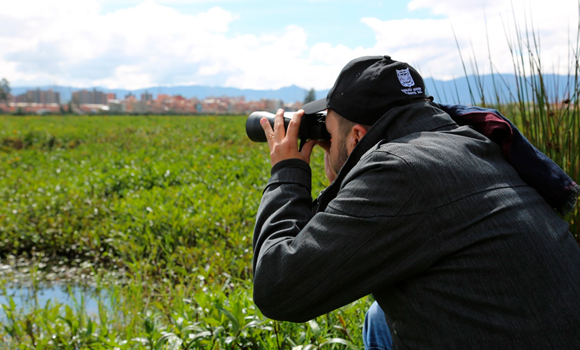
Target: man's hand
column 284, row 144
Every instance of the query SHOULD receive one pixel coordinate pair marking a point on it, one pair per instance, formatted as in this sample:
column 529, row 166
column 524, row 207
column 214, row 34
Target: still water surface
column 74, row 296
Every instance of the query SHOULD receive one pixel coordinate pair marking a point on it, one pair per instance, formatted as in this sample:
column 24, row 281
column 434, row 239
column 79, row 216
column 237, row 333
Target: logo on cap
column 405, row 77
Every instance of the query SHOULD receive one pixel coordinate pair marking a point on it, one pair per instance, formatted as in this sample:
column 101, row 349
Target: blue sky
column 263, row 44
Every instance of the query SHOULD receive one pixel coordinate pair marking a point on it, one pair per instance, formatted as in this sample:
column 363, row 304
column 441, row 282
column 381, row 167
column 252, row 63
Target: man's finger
column 325, row 145
column 307, row 150
column 267, row 130
column 294, row 126
column 279, row 131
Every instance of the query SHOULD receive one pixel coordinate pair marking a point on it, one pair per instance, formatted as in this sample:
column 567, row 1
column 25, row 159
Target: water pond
column 27, row 298
column 30, row 285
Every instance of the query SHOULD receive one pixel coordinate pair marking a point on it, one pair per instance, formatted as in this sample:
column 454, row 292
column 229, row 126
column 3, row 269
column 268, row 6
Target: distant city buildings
column 39, row 96
column 146, row 97
column 95, row 101
column 85, row 97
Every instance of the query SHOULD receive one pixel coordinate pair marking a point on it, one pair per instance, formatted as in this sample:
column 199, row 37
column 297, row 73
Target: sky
column 257, row 44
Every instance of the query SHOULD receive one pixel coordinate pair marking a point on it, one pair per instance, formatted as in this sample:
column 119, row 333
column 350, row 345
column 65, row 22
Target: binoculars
column 312, row 126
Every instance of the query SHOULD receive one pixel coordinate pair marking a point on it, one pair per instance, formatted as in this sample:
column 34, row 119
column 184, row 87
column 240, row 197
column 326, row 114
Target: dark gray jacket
column 428, row 217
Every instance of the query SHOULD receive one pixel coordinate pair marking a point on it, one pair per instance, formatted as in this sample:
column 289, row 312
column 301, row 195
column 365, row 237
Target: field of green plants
column 155, row 212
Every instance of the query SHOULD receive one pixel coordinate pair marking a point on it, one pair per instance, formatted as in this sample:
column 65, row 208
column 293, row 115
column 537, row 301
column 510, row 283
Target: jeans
column 376, row 333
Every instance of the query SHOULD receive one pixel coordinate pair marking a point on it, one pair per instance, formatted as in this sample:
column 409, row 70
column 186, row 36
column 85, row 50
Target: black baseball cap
column 367, row 87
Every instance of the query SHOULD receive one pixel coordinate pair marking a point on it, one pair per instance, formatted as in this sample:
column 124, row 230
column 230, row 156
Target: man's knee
column 376, row 333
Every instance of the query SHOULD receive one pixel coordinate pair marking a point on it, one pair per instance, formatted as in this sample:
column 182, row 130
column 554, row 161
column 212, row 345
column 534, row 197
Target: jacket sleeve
column 305, row 265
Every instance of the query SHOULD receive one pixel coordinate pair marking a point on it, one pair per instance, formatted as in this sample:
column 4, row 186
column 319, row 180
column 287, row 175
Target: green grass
column 166, row 202
column 159, row 212
column 165, row 205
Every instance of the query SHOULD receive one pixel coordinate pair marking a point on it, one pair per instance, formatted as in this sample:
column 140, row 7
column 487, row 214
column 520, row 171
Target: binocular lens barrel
column 312, row 126
column 254, row 128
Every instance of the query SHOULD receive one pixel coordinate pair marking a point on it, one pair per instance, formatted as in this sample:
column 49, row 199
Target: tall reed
column 547, row 116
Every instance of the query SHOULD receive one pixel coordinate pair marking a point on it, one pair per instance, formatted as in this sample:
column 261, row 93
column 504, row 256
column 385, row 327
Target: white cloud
column 445, row 7
column 27, row 9
column 151, row 44
column 71, row 42
column 145, row 44
column 165, row 2
column 430, row 44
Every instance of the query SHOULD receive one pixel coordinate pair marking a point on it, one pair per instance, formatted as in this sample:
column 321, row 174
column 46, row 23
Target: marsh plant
column 544, row 107
column 158, row 213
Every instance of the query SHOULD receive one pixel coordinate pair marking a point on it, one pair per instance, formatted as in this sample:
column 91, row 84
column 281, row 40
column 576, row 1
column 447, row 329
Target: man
column 427, row 215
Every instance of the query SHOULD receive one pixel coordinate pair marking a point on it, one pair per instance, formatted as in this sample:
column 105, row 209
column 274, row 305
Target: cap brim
column 315, row 106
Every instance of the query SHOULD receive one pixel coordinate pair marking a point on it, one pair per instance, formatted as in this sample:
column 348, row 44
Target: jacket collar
column 396, row 123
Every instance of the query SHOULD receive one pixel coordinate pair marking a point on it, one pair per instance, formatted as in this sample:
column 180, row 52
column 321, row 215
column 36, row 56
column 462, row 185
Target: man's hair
column 345, row 125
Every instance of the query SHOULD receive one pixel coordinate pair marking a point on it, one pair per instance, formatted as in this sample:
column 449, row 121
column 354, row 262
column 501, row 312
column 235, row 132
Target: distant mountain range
column 453, row 91
column 506, row 87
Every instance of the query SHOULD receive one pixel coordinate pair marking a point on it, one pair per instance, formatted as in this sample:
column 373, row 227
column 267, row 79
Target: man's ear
column 356, row 133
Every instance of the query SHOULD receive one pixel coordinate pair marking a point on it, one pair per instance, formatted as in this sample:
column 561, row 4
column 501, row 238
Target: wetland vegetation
column 155, row 215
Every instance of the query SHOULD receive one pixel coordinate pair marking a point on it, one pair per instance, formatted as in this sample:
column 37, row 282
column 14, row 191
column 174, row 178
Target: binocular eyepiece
column 312, row 126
